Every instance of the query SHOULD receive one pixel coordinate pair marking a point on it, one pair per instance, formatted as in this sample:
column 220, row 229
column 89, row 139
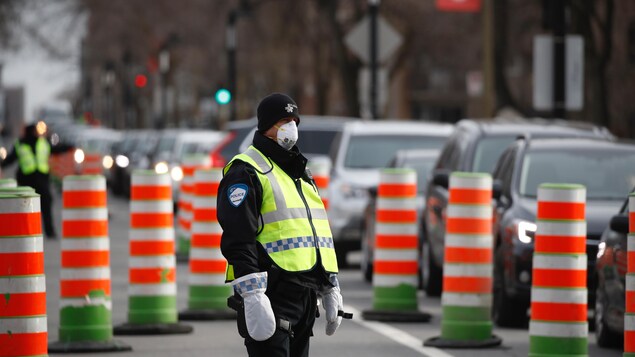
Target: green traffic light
column 223, row 96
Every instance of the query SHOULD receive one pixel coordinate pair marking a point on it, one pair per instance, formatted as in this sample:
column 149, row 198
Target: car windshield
column 165, row 144
column 376, row 151
column 607, row 174
column 488, row 150
column 423, row 168
column 315, row 141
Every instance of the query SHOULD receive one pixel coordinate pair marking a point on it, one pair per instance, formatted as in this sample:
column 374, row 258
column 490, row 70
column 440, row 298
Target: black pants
column 298, row 305
column 42, row 187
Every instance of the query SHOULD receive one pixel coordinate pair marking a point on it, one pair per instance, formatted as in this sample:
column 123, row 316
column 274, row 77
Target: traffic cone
column 629, row 311
column 152, row 267
column 22, row 283
column 16, row 189
column 558, row 323
column 208, row 292
column 467, row 268
column 184, row 216
column 395, row 268
column 321, row 172
column 85, row 304
column 8, row 182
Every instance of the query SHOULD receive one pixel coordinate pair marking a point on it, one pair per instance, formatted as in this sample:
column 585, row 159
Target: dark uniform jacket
column 242, row 224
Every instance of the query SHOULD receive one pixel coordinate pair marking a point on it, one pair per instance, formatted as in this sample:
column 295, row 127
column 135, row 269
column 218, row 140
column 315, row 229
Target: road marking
column 396, row 335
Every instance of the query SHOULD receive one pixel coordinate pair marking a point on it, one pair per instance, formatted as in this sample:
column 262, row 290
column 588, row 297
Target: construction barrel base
column 88, row 346
column 396, row 316
column 439, row 342
column 152, row 329
column 206, row 315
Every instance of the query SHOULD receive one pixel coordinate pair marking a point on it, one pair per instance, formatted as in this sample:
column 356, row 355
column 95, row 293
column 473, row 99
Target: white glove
column 333, row 302
column 259, row 318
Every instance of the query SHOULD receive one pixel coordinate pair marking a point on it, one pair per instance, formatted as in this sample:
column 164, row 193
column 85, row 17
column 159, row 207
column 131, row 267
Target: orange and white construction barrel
column 321, row 172
column 558, row 324
column 85, row 295
column 23, row 330
column 8, row 182
column 186, row 195
column 208, row 292
column 152, row 291
column 395, row 266
column 629, row 312
column 468, row 261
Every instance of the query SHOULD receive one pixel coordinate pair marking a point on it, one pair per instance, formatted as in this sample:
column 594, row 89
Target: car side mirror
column 441, row 178
column 497, row 189
column 619, row 223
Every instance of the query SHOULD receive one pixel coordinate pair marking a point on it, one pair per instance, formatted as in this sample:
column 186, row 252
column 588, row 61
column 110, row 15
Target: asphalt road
column 354, row 338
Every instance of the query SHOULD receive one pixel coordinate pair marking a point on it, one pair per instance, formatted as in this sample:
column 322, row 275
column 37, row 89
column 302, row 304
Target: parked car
column 605, row 168
column 610, row 269
column 422, row 161
column 358, row 153
column 476, row 146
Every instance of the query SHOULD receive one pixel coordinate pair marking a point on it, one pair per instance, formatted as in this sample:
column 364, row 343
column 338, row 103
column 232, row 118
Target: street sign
column 459, row 5
column 388, row 40
column 543, row 72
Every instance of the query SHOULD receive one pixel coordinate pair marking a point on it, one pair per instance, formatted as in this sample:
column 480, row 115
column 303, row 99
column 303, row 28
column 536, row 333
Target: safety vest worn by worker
column 30, row 162
column 295, row 223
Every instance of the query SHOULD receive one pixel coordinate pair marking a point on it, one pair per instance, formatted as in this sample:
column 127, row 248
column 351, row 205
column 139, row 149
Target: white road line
column 396, row 335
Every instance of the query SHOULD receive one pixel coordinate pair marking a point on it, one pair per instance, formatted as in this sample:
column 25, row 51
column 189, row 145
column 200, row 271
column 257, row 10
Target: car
column 476, row 146
column 96, row 144
column 129, row 154
column 173, row 145
column 315, row 135
column 229, row 147
column 422, row 161
column 358, row 153
column 605, row 168
column 610, row 275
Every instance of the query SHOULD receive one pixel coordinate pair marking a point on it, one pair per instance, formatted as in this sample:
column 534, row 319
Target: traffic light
column 140, row 80
column 223, row 96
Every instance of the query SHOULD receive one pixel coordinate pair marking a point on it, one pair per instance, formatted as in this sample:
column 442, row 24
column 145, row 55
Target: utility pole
column 489, row 92
column 230, row 46
column 164, row 67
column 558, row 23
column 373, row 10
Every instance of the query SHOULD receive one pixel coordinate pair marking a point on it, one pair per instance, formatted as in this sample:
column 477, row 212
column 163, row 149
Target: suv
column 606, row 169
column 611, row 269
column 358, row 154
column 476, row 146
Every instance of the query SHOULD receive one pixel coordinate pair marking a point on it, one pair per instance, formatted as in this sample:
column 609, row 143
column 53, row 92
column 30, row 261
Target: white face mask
column 287, row 135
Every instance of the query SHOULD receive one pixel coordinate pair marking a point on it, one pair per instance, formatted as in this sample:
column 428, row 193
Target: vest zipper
column 298, row 186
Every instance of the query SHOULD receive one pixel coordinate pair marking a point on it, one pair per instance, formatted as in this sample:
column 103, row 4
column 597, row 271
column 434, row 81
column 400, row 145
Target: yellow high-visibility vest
column 28, row 161
column 295, row 227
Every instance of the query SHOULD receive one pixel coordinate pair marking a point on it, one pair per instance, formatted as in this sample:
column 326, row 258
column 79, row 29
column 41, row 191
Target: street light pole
column 164, row 67
column 373, row 10
column 559, row 71
column 230, row 45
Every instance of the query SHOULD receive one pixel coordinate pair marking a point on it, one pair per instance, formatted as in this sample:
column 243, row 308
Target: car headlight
column 3, row 153
column 601, row 249
column 161, row 167
column 526, row 231
column 176, row 173
column 122, row 161
column 79, row 156
column 107, row 162
column 352, row 191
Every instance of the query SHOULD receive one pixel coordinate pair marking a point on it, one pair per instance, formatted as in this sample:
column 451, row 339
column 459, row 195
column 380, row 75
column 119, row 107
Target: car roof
column 549, row 144
column 369, row 127
column 536, row 126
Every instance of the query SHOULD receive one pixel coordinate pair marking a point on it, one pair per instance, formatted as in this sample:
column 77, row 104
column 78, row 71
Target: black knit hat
column 274, row 107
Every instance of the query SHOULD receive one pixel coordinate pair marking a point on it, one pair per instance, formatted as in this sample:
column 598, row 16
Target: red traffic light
column 140, row 80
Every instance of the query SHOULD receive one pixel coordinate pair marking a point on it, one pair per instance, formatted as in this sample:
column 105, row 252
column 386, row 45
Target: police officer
column 276, row 238
column 32, row 152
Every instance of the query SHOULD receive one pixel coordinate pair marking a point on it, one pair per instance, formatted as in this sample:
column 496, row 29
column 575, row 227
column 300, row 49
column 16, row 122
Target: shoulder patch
column 237, row 194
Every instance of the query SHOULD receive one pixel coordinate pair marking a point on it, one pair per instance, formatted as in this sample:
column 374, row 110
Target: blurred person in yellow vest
column 32, row 152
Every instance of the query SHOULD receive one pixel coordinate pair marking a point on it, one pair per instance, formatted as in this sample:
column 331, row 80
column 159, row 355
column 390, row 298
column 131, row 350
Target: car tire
column 604, row 336
column 507, row 311
column 433, row 284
